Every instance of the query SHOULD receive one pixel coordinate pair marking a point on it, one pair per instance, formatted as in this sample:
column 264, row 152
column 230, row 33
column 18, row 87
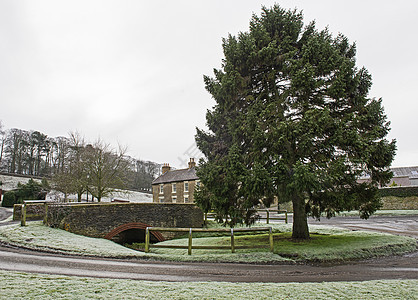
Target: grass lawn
column 327, row 244
column 16, row 285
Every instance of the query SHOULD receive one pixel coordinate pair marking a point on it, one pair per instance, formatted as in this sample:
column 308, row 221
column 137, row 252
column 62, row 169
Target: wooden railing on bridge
column 23, row 211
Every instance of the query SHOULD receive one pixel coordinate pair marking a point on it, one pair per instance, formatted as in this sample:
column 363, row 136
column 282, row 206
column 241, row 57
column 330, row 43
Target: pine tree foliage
column 292, row 120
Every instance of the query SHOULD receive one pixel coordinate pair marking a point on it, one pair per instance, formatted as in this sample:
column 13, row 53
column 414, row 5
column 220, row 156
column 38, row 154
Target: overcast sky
column 131, row 72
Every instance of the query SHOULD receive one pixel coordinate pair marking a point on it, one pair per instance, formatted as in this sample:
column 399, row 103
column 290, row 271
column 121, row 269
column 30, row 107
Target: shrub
column 9, row 199
column 30, row 191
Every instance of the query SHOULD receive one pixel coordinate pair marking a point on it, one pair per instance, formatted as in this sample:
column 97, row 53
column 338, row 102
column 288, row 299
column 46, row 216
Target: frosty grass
column 38, row 286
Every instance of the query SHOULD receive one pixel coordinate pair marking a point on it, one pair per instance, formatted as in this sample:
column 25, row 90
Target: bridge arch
column 133, row 225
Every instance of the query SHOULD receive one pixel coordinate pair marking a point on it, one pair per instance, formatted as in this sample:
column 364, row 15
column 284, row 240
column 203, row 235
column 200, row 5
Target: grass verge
column 39, row 286
column 328, row 244
column 43, row 238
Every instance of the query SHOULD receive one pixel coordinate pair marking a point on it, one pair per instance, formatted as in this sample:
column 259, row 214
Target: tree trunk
column 300, row 220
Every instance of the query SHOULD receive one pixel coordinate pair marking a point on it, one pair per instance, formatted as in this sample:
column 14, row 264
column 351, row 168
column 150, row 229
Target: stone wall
column 97, row 220
column 392, row 202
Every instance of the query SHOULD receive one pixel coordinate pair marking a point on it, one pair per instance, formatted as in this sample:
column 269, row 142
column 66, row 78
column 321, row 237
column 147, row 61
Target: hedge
column 403, row 191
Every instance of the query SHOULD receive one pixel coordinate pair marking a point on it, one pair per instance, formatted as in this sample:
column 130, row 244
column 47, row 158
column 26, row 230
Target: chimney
column 192, row 163
column 165, row 168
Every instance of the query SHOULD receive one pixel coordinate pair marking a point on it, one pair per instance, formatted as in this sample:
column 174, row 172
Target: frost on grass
column 331, row 244
column 327, row 244
column 38, row 286
column 40, row 237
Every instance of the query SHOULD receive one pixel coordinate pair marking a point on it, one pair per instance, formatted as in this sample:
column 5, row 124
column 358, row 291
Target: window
column 186, row 199
column 186, row 187
column 161, row 188
column 161, row 199
column 198, row 184
column 174, row 199
column 174, row 188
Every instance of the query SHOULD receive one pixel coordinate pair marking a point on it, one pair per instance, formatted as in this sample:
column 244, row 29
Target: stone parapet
column 98, row 219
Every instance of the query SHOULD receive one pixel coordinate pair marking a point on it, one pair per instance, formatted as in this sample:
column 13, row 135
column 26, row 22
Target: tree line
column 58, row 158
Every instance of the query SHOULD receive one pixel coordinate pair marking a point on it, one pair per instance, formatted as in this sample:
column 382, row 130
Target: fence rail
column 268, row 217
column 190, row 241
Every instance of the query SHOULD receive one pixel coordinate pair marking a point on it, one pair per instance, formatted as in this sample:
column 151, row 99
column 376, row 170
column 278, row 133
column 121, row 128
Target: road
column 405, row 267
column 5, row 213
column 399, row 225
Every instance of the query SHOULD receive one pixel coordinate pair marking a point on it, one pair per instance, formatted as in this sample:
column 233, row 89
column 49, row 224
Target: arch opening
column 133, row 233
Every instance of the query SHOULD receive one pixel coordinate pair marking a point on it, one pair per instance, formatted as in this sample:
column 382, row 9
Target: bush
column 9, row 199
column 404, row 191
column 30, row 191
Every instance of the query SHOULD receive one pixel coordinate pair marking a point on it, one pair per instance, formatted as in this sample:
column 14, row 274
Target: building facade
column 176, row 186
column 404, row 176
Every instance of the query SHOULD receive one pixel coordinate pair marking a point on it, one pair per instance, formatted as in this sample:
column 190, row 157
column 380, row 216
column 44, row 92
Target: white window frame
column 186, row 199
column 161, row 199
column 174, row 188
column 174, row 199
column 186, row 187
column 161, row 188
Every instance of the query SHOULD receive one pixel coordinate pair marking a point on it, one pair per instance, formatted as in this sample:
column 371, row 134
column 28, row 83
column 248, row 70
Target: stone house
column 176, row 186
column 404, row 176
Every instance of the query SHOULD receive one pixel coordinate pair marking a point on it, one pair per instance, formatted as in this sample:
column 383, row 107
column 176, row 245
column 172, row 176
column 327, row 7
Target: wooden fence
column 24, row 206
column 190, row 246
column 270, row 215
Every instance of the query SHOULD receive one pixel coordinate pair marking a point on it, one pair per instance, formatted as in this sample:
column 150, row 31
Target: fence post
column 271, row 239
column 189, row 251
column 147, row 240
column 232, row 241
column 285, row 213
column 23, row 216
column 46, row 213
column 268, row 216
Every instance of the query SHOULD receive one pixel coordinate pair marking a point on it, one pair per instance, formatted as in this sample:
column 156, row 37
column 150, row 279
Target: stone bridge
column 123, row 222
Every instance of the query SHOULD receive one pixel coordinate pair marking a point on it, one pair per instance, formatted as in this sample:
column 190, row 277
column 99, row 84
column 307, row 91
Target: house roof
column 177, row 176
column 405, row 172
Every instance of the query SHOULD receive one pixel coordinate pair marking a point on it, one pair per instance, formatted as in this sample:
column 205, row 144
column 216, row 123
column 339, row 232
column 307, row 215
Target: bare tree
column 16, row 144
column 106, row 169
column 77, row 164
column 2, row 134
column 142, row 174
column 72, row 177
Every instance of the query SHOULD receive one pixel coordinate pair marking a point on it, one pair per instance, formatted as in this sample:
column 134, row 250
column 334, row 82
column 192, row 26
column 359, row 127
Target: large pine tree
column 292, row 120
